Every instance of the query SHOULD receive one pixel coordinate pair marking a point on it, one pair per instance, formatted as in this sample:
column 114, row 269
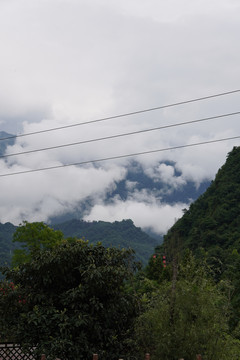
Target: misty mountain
column 138, row 183
column 121, row 234
column 162, row 184
column 139, row 180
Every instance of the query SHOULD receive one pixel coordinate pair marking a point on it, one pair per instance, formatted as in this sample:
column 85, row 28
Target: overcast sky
column 69, row 61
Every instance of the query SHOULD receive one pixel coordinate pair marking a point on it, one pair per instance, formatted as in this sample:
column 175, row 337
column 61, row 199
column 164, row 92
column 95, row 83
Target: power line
column 121, row 135
column 123, row 115
column 121, row 156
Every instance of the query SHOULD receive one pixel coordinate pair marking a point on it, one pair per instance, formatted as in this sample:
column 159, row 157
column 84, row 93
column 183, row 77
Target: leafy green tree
column 157, row 268
column 34, row 236
column 71, row 301
column 187, row 319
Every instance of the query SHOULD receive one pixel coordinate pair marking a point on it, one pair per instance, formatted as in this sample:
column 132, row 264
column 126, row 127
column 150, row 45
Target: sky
column 66, row 62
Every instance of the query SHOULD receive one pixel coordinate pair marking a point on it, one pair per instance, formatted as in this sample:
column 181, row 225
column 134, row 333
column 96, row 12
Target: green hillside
column 123, row 234
column 213, row 220
column 118, row 234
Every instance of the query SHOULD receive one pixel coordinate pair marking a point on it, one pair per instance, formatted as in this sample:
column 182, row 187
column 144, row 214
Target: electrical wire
column 120, row 156
column 121, row 135
column 123, row 115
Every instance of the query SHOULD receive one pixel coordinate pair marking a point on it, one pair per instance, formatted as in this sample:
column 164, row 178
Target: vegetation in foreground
column 72, row 299
column 68, row 297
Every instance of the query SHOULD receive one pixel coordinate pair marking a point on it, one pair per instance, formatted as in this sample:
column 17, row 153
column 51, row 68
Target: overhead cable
column 120, row 156
column 121, row 135
column 123, row 115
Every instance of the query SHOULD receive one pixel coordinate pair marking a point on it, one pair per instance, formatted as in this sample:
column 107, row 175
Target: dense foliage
column 70, row 301
column 33, row 237
column 187, row 316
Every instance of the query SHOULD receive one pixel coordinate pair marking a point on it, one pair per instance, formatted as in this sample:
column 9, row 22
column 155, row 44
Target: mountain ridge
column 123, row 234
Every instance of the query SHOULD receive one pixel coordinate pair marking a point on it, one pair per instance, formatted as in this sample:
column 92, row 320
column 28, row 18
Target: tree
column 34, row 236
column 75, row 301
column 189, row 318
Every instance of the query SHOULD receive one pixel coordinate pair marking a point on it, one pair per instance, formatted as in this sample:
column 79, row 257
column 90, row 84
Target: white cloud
column 154, row 216
column 54, row 192
column 130, row 185
column 166, row 174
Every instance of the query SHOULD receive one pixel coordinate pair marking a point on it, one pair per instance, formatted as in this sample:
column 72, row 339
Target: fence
column 14, row 352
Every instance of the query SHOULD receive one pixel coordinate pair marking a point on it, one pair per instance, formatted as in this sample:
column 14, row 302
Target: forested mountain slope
column 211, row 229
column 213, row 220
column 123, row 234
